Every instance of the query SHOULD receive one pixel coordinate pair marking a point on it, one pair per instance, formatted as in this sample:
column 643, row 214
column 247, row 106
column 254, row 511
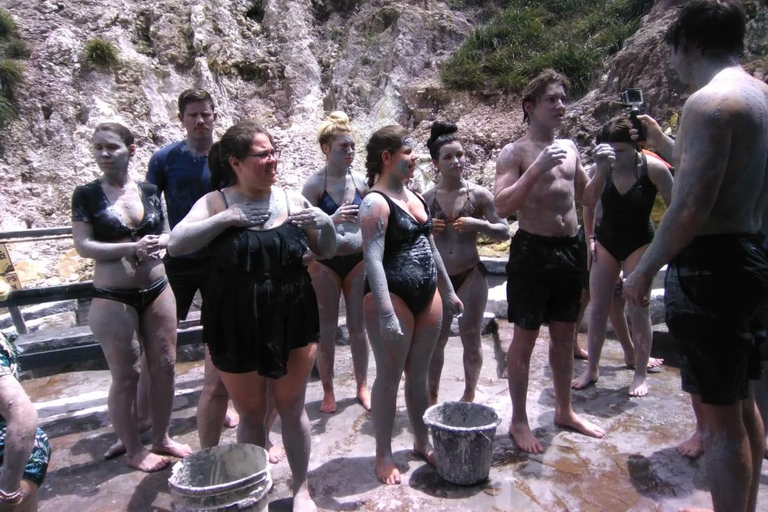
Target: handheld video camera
column 633, row 98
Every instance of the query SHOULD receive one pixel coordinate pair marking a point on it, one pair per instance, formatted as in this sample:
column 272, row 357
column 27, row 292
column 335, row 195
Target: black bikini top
column 402, row 228
column 634, row 206
column 90, row 204
column 466, row 211
column 328, row 205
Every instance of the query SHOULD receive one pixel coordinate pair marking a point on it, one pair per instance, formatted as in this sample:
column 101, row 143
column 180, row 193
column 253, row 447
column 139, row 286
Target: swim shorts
column 544, row 279
column 186, row 276
column 715, row 288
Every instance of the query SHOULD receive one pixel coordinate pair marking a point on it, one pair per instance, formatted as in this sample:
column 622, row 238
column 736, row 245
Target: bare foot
column 692, row 448
column 302, row 502
column 329, row 403
column 638, row 388
column 468, row 397
column 427, row 453
column 387, row 471
column 148, row 462
column 276, row 453
column 118, row 448
column 578, row 423
column 580, row 353
column 653, row 362
column 171, row 447
column 364, row 397
column 232, row 419
column 524, row 438
column 584, row 380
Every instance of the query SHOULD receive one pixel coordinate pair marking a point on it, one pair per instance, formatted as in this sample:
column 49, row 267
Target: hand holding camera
column 633, row 98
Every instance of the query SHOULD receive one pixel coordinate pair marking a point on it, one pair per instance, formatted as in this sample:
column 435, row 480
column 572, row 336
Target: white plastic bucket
column 227, row 478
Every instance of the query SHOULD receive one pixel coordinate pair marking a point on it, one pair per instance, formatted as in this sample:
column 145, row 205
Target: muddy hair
column 194, row 96
column 716, row 27
column 389, row 138
column 337, row 123
column 236, row 142
column 615, row 130
column 538, row 86
column 121, row 131
column 440, row 135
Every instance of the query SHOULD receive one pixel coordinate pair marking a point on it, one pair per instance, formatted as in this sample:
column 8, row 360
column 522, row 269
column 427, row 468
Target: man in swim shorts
column 540, row 177
column 718, row 272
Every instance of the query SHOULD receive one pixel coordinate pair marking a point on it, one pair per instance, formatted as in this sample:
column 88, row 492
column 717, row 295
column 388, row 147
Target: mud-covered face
column 405, row 160
column 451, row 159
column 198, row 119
column 110, row 152
column 623, row 150
column 341, row 151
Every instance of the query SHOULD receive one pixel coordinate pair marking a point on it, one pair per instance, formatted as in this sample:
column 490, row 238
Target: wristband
column 12, row 498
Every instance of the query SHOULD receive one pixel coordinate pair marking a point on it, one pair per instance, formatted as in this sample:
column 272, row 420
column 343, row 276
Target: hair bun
column 440, row 128
column 338, row 117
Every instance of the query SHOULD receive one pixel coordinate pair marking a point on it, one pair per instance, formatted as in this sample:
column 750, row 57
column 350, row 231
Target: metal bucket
column 227, row 478
column 462, row 434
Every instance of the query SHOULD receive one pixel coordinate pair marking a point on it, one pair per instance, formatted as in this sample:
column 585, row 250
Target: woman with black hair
column 626, row 182
column 402, row 311
column 122, row 226
column 260, row 318
column 460, row 211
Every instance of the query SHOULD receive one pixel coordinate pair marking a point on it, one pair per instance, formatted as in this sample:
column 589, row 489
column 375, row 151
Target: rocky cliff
column 283, row 62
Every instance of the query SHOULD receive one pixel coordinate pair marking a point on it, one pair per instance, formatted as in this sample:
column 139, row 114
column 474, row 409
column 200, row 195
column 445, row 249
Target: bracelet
column 12, row 498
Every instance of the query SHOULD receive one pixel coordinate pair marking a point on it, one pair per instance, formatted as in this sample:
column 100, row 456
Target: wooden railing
column 70, row 345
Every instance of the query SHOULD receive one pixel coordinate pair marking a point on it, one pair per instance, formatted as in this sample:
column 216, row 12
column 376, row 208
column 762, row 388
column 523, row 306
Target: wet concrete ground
column 634, row 468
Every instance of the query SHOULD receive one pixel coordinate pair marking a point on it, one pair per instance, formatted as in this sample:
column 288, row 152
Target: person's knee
column 163, row 367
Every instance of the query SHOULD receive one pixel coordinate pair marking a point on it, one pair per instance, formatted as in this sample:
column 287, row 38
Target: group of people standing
column 271, row 265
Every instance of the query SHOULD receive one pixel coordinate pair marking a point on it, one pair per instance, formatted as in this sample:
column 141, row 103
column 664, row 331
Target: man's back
column 731, row 109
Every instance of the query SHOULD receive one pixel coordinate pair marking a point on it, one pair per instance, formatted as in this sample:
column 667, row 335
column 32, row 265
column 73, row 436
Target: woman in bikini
column 459, row 212
column 338, row 191
column 121, row 225
column 625, row 182
column 260, row 319
column 402, row 311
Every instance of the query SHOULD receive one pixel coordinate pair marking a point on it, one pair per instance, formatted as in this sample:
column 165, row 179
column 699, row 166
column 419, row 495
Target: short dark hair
column 236, row 142
column 538, row 86
column 193, row 96
column 121, row 131
column 716, row 27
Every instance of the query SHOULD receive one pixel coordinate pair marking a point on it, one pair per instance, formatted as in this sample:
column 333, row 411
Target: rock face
column 285, row 63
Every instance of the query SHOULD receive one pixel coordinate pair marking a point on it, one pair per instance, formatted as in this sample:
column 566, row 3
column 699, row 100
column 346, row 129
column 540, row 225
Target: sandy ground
column 634, row 468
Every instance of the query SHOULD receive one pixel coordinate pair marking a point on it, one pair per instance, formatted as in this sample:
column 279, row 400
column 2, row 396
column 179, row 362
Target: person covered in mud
column 460, row 211
column 540, row 178
column 260, row 322
column 338, row 191
column 402, row 311
column 180, row 171
column 24, row 448
column 122, row 226
column 625, row 182
column 717, row 276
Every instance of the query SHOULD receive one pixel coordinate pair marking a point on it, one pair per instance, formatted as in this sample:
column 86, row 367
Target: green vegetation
column 100, row 53
column 8, row 29
column 11, row 70
column 524, row 37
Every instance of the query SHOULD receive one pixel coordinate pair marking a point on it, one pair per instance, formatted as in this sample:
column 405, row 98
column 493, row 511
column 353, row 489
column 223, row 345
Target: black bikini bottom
column 343, row 265
column 458, row 279
column 137, row 298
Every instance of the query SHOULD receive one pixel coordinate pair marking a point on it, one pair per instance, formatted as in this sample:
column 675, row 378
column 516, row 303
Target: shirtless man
column 718, row 273
column 540, row 178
